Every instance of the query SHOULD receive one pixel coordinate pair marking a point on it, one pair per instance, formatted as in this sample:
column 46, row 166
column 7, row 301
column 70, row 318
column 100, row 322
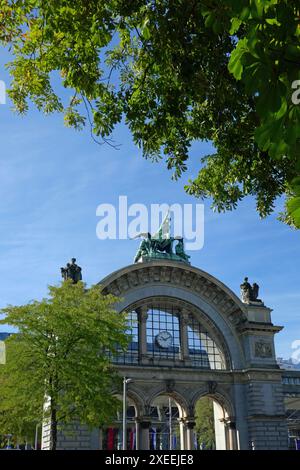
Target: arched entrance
column 192, row 337
column 214, row 429
column 164, row 433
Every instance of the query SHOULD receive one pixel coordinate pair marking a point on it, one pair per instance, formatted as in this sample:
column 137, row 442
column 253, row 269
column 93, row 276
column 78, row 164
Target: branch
column 105, row 140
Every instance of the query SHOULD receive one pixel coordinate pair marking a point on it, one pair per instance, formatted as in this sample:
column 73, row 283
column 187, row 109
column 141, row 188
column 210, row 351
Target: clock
column 164, row 339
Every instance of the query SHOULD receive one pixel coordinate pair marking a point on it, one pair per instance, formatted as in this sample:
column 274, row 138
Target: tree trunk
column 53, row 428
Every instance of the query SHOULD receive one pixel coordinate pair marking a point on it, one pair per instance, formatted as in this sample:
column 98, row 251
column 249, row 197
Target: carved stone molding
column 263, row 349
column 170, row 385
column 183, row 276
column 212, row 386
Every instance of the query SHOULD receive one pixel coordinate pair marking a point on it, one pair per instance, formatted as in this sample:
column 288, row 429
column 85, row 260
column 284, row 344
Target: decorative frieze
column 187, row 277
column 263, row 349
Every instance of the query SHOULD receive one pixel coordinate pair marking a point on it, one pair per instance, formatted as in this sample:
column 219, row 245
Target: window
column 203, row 351
column 163, row 321
column 164, row 336
column 131, row 356
column 291, row 380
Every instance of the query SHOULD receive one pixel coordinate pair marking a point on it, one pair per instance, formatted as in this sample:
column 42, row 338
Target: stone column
column 145, row 424
column 184, row 319
column 190, row 437
column 182, row 429
column 231, row 434
column 143, row 315
column 220, row 428
column 137, row 434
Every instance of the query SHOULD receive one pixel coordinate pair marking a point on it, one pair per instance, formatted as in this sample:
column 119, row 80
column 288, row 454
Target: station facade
column 191, row 337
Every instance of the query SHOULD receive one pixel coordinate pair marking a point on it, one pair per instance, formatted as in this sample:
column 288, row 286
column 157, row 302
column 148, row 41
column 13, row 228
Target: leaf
column 293, row 208
column 235, row 65
column 273, row 101
column 209, row 19
column 292, row 133
column 283, row 109
column 278, row 149
column 295, row 185
column 245, row 13
column 145, row 30
column 235, row 25
column 273, row 21
column 266, row 132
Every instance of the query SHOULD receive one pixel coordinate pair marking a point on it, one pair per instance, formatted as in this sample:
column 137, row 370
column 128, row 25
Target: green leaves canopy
column 205, row 427
column 61, row 352
column 176, row 71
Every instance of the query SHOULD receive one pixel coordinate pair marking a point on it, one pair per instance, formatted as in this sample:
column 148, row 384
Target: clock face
column 164, row 339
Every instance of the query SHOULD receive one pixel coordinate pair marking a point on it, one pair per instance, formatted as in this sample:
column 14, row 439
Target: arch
column 236, row 352
column 162, row 278
column 220, row 396
column 224, row 427
column 178, row 398
column 168, row 414
column 138, row 401
column 200, row 316
column 134, row 395
column 170, row 271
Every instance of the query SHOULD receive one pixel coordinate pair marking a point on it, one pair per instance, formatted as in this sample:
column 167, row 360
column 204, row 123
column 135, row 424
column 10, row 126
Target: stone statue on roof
column 249, row 293
column 160, row 245
column 72, row 271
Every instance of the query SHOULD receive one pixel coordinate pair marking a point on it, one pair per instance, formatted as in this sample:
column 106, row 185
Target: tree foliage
column 58, row 367
column 205, row 427
column 20, row 409
column 176, row 71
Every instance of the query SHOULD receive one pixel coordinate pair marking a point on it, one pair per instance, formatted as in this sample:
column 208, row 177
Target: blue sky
column 51, row 181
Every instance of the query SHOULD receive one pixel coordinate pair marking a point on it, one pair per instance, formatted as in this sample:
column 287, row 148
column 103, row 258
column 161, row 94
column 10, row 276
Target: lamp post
column 170, row 424
column 36, row 436
column 125, row 382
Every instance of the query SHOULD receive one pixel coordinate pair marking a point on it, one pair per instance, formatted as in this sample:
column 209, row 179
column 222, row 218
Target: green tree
column 20, row 412
column 205, row 427
column 176, row 71
column 58, row 367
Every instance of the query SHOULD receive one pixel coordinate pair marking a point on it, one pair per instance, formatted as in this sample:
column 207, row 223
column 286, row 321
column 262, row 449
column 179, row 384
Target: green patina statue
column 179, row 250
column 160, row 246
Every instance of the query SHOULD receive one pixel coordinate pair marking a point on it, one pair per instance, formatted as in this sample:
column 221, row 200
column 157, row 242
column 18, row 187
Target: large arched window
column 165, row 333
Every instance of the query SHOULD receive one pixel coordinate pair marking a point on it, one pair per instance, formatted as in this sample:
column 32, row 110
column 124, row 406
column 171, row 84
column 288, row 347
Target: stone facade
column 72, row 437
column 247, row 391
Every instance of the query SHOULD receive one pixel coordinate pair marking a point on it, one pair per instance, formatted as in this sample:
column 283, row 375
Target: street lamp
column 36, row 436
column 125, row 382
column 170, row 424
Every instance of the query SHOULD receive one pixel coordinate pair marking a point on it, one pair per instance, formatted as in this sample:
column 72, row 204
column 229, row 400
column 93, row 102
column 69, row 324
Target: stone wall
column 73, row 437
